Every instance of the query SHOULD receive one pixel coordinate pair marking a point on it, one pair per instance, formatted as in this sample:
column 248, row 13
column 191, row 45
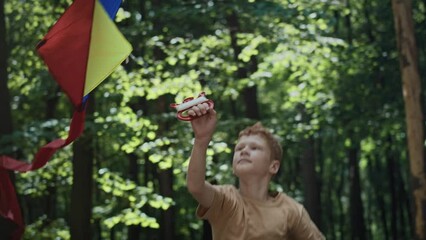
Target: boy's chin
column 241, row 171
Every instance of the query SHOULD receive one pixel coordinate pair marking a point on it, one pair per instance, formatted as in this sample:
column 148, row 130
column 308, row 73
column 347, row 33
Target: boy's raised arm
column 203, row 127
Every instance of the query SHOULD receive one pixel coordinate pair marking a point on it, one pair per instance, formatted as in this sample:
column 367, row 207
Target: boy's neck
column 254, row 189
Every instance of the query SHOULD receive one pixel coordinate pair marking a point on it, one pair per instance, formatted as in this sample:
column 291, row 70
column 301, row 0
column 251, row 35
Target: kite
column 80, row 50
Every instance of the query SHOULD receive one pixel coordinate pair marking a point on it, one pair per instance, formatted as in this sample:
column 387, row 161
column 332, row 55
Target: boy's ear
column 274, row 166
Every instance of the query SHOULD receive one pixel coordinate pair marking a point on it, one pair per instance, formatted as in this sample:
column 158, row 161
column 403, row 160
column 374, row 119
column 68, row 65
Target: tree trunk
column 411, row 88
column 405, row 215
column 392, row 173
column 51, row 198
column 134, row 230
column 165, row 177
column 358, row 229
column 375, row 175
column 167, row 216
column 6, row 126
column 6, row 115
column 81, row 192
column 343, row 228
column 165, row 180
column 368, row 24
column 249, row 93
column 310, row 182
column 149, row 170
column 348, row 23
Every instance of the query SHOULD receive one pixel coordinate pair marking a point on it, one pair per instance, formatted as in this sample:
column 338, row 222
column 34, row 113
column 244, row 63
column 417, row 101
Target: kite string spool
column 187, row 104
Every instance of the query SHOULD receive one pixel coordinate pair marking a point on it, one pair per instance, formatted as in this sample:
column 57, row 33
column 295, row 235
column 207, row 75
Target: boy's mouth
column 243, row 160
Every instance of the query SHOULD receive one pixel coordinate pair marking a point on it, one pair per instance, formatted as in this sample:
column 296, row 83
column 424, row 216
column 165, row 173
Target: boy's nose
column 244, row 151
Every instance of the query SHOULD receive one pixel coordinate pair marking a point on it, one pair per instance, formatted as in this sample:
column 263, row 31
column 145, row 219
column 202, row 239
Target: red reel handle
column 183, row 115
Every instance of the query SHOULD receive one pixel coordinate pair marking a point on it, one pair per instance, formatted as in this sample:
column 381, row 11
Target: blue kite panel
column 111, row 7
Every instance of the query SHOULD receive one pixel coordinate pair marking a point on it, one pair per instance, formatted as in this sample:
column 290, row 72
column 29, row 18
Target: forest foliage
column 323, row 74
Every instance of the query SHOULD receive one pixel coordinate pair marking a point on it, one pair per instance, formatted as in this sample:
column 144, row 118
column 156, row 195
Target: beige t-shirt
column 234, row 217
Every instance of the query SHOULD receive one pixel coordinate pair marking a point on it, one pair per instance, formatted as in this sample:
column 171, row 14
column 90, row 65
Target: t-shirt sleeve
column 304, row 228
column 224, row 203
column 208, row 213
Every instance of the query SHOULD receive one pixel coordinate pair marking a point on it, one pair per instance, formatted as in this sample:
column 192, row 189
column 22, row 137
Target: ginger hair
column 273, row 142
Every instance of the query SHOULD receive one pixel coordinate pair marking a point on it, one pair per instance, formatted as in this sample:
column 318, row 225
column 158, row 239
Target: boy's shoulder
column 290, row 201
column 226, row 188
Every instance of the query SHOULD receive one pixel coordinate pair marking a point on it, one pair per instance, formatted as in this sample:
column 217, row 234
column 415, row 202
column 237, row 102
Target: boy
column 249, row 212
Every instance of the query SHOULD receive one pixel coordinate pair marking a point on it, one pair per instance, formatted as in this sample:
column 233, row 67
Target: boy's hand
column 203, row 126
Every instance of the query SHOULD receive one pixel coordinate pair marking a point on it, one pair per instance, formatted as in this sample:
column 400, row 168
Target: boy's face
column 253, row 155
